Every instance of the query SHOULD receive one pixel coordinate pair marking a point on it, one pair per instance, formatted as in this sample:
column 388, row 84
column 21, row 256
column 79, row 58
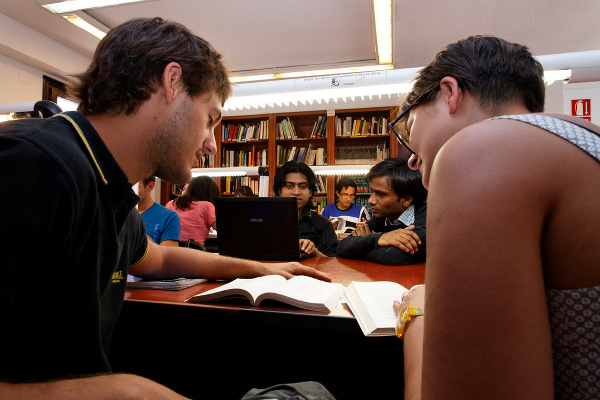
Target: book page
column 254, row 286
column 305, row 290
column 378, row 298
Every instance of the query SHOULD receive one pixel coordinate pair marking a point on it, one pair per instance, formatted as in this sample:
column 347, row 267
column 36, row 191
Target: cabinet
column 276, row 141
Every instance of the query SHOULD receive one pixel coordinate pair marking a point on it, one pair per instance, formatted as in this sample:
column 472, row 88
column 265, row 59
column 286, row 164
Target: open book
column 372, row 305
column 300, row 291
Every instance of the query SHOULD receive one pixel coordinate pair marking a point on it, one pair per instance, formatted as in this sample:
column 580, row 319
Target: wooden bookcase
column 303, row 124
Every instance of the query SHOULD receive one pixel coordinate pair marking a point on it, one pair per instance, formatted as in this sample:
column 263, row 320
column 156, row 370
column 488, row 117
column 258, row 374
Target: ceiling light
column 557, row 75
column 87, row 23
column 341, row 169
column 237, row 171
column 241, row 102
column 300, row 74
column 67, row 6
column 382, row 11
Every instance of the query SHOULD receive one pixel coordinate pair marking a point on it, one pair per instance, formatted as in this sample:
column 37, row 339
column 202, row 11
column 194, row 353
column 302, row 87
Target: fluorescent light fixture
column 67, row 6
column 361, row 169
column 382, row 11
column 557, row 75
column 263, row 100
column 232, row 171
column 87, row 23
column 300, row 74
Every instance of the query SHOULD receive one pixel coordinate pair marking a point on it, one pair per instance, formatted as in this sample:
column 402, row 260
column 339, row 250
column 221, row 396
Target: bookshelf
column 287, row 133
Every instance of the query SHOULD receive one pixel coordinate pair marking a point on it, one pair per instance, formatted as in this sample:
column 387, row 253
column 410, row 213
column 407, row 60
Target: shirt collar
column 105, row 164
column 407, row 217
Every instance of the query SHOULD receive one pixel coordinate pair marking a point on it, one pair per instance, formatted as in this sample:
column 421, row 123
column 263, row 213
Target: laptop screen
column 258, row 228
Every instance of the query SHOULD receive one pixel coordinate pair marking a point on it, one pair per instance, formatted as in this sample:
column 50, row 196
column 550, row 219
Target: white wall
column 19, row 83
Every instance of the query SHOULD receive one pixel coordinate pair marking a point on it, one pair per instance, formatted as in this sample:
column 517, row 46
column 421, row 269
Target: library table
column 221, row 350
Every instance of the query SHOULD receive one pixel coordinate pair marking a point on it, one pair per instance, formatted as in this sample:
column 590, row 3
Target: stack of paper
column 167, row 284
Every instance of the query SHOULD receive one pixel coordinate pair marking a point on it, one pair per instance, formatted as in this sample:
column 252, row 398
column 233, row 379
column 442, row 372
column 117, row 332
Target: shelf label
column 331, row 113
column 341, row 81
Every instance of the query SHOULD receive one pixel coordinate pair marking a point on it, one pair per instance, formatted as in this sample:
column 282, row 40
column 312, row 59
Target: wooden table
column 218, row 350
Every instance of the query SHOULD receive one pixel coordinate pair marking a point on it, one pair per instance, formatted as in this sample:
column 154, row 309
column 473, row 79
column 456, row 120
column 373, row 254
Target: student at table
column 511, row 292
column 317, row 236
column 162, row 224
column 396, row 235
column 196, row 208
column 149, row 103
column 345, row 190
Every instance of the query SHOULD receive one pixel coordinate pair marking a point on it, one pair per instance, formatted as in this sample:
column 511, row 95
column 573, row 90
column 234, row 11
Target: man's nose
column 210, row 145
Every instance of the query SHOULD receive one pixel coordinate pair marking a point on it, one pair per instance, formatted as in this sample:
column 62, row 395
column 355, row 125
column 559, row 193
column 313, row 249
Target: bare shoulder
column 512, row 174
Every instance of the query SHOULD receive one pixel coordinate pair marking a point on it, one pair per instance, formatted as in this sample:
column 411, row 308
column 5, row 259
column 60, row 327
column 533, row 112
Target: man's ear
column 451, row 93
column 406, row 200
column 171, row 81
column 151, row 185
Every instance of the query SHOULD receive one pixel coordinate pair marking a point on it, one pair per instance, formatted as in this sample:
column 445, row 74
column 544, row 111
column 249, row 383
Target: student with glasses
column 396, row 233
column 345, row 190
column 510, row 302
column 317, row 236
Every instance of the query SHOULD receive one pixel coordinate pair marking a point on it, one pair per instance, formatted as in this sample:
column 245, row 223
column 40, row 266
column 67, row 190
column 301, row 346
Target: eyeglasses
column 403, row 113
column 394, row 122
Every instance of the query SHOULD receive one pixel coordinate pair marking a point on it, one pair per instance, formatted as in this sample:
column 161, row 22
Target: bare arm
column 104, row 387
column 172, row 243
column 176, row 262
column 486, row 331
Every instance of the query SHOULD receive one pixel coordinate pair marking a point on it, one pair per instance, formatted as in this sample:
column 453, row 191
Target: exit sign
column 581, row 108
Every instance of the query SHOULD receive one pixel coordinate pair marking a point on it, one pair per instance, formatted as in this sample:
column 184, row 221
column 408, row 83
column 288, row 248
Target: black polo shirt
column 318, row 230
column 69, row 233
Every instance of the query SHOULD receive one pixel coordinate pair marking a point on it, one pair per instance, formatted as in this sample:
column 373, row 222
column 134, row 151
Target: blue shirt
column 352, row 215
column 161, row 223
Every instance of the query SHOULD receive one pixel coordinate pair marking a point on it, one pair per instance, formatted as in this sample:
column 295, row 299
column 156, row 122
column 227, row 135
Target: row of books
column 321, row 184
column 286, row 130
column 364, row 201
column 361, row 127
column 244, row 158
column 321, row 204
column 310, row 155
column 373, row 154
column 320, row 127
column 232, row 182
column 362, row 186
column 207, row 161
column 246, row 132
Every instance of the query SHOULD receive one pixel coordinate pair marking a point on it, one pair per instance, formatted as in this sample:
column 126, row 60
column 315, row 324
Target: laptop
column 258, row 228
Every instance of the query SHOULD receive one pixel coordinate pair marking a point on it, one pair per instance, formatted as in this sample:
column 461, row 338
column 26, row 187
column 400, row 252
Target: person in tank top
column 510, row 305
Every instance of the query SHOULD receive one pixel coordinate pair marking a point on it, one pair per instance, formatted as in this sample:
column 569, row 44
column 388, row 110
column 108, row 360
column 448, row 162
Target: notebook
column 258, row 228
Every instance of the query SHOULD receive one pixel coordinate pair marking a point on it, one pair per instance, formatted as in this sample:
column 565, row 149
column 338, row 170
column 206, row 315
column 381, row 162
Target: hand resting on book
column 289, row 269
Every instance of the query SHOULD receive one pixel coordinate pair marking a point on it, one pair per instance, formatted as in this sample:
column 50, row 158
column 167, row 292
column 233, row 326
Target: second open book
column 370, row 302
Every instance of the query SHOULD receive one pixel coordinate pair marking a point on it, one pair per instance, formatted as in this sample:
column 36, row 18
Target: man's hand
column 404, row 239
column 288, row 270
column 415, row 297
column 362, row 229
column 334, row 223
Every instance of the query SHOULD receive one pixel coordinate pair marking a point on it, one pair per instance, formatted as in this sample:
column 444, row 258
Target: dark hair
column 129, row 62
column 344, row 182
column 291, row 167
column 151, row 178
column 403, row 180
column 495, row 71
column 243, row 191
column 201, row 188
